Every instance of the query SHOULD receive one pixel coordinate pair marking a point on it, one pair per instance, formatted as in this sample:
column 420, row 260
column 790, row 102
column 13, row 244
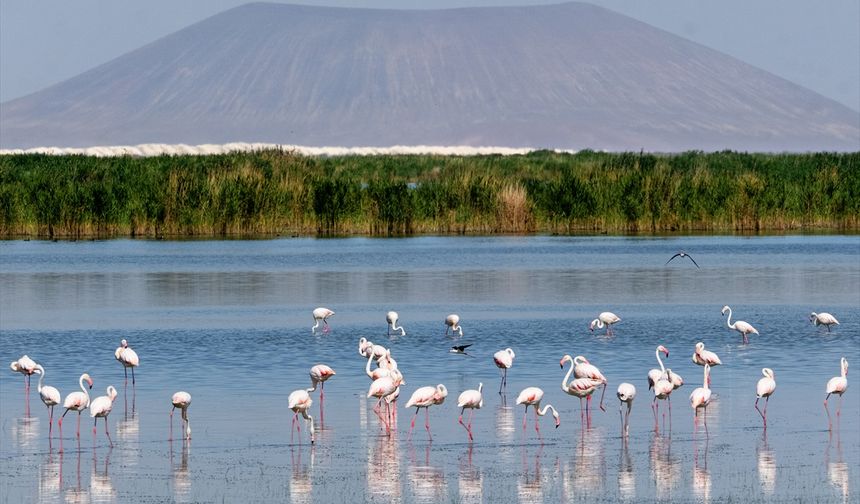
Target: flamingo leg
column 525, row 415
column 460, row 420
column 412, row 426
column 171, row 422
column 471, row 414
column 108, row 433
column 427, row 422
column 50, row 421
column 292, row 424
column 621, row 415
column 759, row 411
column 705, row 420
column 766, row 400
column 537, row 423
column 654, row 408
column 79, row 425
column 602, row 408
column 670, row 412
column 627, row 419
column 829, row 422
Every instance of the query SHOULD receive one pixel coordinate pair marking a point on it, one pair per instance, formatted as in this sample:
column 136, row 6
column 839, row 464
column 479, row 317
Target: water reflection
column 590, row 464
column 181, row 476
column 427, row 481
column 25, row 431
column 701, row 476
column 626, row 474
column 766, row 466
column 837, row 471
column 77, row 493
column 300, row 477
column 530, row 484
column 101, row 488
column 50, row 477
column 470, row 479
column 665, row 468
column 383, row 468
column 505, row 423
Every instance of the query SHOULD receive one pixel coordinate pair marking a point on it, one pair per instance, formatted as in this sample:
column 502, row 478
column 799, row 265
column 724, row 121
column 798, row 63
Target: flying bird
column 461, row 349
column 682, row 254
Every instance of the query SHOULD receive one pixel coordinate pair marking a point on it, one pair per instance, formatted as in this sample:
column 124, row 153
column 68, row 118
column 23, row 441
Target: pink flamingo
column 700, row 398
column 299, row 401
column 128, row 358
column 452, row 322
column 319, row 374
column 365, row 346
column 100, row 408
column 49, row 395
column 654, row 375
column 580, row 387
column 321, row 314
column 26, row 366
column 702, row 357
column 473, row 400
column 662, row 390
column 584, row 369
column 377, row 373
column 504, row 359
column 740, row 326
column 837, row 385
column 626, row 393
column 764, row 388
column 391, row 317
column 532, row 396
column 824, row 319
column 382, row 388
column 76, row 401
column 182, row 400
column 425, row 397
column 605, row 319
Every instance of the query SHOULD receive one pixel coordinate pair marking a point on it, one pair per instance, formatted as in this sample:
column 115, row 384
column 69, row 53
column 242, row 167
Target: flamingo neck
column 543, row 411
column 707, row 372
column 729, row 320
column 480, row 386
column 81, row 382
column 659, row 360
column 42, row 378
column 564, row 381
column 369, row 359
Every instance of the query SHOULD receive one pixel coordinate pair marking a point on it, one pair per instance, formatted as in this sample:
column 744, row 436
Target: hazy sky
column 813, row 43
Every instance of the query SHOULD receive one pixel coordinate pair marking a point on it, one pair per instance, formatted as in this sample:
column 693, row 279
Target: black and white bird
column 461, row 349
column 682, row 254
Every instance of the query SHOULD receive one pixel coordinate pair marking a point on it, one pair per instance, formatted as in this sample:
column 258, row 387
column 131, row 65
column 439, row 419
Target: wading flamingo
column 580, row 387
column 50, row 396
column 387, row 361
column 584, row 369
column 319, row 374
column 452, row 322
column 700, row 398
column 391, row 317
column 321, row 314
column 425, row 397
column 26, row 366
column 531, row 396
column 472, row 399
column 365, row 346
column 181, row 400
column 764, row 388
column 377, row 373
column 299, row 401
column 824, row 319
column 740, row 326
column 128, row 358
column 662, row 390
column 703, row 357
column 626, row 393
column 655, row 374
column 100, row 408
column 682, row 254
column 605, row 319
column 382, row 388
column 504, row 359
column 837, row 385
column 76, row 401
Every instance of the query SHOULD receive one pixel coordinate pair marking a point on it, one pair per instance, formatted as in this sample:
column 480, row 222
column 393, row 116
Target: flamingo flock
column 387, row 380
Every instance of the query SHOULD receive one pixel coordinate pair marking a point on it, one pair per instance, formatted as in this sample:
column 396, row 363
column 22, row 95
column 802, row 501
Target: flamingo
column 473, row 400
column 837, row 385
column 764, row 388
column 626, row 393
column 128, row 358
column 319, row 374
column 377, row 373
column 663, row 388
column 365, row 346
column 740, row 326
column 387, row 361
column 26, row 366
column 824, row 319
column 300, row 402
column 700, row 398
column 425, row 397
column 181, row 400
column 100, row 408
column 504, row 359
column 321, row 314
column 392, row 317
column 683, row 254
column 580, row 387
column 584, row 369
column 605, row 319
column 77, row 401
column 532, row 396
column 704, row 357
column 50, row 396
column 655, row 374
column 382, row 388
column 452, row 322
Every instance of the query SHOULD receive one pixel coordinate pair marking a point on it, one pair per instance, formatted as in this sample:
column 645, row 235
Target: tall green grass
column 277, row 192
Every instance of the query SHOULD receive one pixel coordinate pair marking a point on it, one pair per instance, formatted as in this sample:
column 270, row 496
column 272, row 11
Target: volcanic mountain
column 570, row 75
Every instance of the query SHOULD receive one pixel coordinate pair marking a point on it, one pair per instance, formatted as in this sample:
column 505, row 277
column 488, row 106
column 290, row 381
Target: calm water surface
column 229, row 321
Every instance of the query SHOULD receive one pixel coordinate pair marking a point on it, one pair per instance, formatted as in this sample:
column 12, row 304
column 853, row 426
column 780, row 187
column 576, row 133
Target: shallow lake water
column 230, row 322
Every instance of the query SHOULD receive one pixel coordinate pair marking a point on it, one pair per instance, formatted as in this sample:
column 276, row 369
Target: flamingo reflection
column 590, row 465
column 101, row 488
column 471, row 480
column 766, row 466
column 427, row 481
column 626, row 474
column 665, row 469
column 300, row 477
column 181, row 476
column 530, row 484
column 50, row 477
column 837, row 471
column 701, row 476
column 383, row 469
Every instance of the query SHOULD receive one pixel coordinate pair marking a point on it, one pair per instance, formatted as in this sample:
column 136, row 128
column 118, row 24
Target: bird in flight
column 461, row 349
column 682, row 254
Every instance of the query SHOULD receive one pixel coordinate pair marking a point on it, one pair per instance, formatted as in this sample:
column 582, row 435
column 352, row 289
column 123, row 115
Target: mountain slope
column 565, row 76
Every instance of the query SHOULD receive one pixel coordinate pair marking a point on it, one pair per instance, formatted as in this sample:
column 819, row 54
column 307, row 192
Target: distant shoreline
column 279, row 192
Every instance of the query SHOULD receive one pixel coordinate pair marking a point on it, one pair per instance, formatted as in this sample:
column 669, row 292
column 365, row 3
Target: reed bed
column 282, row 193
